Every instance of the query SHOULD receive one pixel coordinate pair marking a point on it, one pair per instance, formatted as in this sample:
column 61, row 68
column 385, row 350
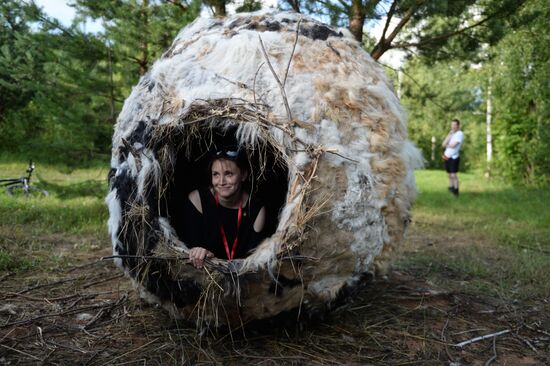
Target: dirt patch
column 87, row 313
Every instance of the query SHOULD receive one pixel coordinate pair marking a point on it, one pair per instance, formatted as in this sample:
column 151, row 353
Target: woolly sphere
column 331, row 153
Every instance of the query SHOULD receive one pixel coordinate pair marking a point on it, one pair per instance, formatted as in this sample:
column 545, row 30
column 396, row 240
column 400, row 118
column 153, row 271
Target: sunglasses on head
column 231, row 152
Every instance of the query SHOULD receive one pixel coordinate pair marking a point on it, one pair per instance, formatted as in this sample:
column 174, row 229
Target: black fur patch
column 124, row 185
column 319, row 31
column 139, row 134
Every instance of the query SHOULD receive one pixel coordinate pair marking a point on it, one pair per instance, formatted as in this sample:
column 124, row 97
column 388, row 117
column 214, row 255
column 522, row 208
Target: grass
column 515, row 216
column 485, row 249
column 494, row 238
column 34, row 230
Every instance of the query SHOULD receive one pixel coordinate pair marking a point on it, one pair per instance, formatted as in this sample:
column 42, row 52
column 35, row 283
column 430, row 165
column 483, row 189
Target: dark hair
column 233, row 153
column 456, row 120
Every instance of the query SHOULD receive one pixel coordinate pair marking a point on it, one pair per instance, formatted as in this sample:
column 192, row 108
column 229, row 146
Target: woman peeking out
column 223, row 220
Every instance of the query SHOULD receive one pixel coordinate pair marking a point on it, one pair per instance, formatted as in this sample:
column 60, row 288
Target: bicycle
column 23, row 185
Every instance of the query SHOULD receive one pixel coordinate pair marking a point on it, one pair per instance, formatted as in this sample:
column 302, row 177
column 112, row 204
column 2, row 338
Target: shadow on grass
column 88, row 188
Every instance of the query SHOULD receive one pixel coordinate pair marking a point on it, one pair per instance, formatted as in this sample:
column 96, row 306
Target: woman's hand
column 197, row 255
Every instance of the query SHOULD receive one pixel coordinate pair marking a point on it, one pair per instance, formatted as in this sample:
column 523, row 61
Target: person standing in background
column 451, row 156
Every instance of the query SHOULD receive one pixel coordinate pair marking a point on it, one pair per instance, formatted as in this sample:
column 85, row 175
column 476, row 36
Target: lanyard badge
column 231, row 255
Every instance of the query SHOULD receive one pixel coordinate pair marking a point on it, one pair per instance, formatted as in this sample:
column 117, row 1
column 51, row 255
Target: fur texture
column 348, row 135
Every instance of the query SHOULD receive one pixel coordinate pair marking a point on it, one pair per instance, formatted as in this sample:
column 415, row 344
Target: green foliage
column 456, row 29
column 61, row 89
column 434, row 30
column 432, row 96
column 519, row 69
column 522, row 93
column 249, row 5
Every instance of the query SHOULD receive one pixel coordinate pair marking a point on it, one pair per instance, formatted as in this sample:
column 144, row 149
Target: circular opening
column 268, row 178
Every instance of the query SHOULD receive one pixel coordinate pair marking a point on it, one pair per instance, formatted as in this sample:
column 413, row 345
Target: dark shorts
column 451, row 165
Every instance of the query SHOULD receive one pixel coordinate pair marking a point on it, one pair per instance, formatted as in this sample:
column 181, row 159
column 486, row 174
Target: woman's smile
column 227, row 180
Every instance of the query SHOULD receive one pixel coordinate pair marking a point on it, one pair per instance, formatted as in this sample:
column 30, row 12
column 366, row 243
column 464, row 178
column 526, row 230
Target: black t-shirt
column 203, row 230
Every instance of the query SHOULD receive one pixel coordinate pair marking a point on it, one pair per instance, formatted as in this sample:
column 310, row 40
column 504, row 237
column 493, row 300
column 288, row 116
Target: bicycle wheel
column 19, row 190
column 15, row 190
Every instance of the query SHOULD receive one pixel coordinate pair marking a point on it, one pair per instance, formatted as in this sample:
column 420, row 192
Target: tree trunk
column 112, row 116
column 295, row 4
column 488, row 118
column 144, row 45
column 399, row 83
column 218, row 7
column 357, row 19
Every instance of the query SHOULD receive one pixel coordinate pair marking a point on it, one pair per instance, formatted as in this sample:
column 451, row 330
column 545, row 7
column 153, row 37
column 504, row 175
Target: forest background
column 486, row 62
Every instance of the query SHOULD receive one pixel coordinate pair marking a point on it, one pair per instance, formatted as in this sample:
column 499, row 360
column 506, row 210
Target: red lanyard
column 231, row 255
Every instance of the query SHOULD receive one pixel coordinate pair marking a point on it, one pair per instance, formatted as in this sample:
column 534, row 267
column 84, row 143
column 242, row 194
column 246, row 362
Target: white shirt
column 454, row 152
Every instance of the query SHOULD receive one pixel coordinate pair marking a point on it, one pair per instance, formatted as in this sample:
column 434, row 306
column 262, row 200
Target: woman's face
column 227, row 178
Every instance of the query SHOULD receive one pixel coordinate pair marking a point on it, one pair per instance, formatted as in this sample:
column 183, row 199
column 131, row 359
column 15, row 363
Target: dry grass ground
column 60, row 304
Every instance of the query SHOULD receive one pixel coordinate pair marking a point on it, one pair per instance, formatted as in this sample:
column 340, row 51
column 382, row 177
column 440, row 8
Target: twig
column 82, row 266
column 490, row 361
column 529, row 344
column 23, row 353
column 327, row 151
column 7, row 334
column 469, row 331
column 342, row 156
column 444, row 339
column 51, row 284
column 309, row 354
column 293, row 49
column 6, row 276
column 141, row 257
column 536, row 330
column 254, row 84
column 100, row 314
column 127, row 353
column 31, row 298
column 480, row 338
column 281, row 86
column 103, row 280
column 71, row 311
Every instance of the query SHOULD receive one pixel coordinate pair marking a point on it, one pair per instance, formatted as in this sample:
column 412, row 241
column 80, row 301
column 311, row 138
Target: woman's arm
column 195, row 199
column 197, row 254
column 260, row 221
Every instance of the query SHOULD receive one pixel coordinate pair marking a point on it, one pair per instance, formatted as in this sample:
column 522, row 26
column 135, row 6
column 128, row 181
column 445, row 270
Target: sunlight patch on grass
column 516, row 216
column 494, row 238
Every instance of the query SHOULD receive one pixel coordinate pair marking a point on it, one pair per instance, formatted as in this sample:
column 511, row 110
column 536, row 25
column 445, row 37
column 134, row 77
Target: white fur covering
column 334, row 87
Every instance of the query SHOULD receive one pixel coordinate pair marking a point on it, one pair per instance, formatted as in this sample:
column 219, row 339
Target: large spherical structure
column 327, row 143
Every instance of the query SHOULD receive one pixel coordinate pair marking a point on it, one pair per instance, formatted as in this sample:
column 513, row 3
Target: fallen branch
column 140, row 257
column 480, row 338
